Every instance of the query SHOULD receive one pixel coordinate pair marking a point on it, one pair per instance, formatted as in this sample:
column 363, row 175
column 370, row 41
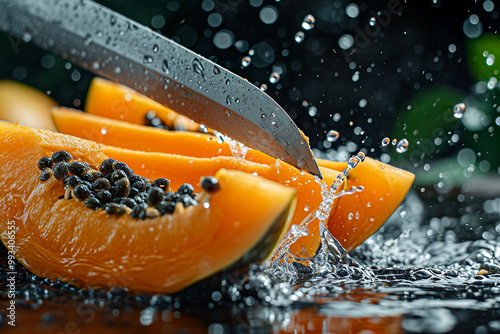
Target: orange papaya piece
column 116, row 101
column 356, row 217
column 25, row 105
column 62, row 238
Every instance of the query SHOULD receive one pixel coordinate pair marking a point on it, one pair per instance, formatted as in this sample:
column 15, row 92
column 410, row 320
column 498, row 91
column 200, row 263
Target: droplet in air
column 308, row 22
column 459, row 110
column 372, row 21
column 402, row 146
column 246, row 61
column 386, row 141
column 394, row 141
column 263, row 87
column 490, row 59
column 299, row 36
column 147, row 59
column 332, row 136
column 313, row 111
column 274, row 77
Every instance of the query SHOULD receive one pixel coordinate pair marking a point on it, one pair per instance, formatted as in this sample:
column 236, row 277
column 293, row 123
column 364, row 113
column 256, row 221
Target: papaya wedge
column 62, row 238
column 356, row 216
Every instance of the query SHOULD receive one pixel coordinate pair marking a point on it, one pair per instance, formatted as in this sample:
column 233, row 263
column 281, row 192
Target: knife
column 113, row 46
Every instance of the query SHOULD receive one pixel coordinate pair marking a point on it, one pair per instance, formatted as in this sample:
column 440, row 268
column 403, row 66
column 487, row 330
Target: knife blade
column 113, row 46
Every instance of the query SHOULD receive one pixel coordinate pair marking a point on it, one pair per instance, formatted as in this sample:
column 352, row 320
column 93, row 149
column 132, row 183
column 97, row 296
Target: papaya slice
column 61, row 238
column 25, row 105
column 357, row 216
column 360, row 214
column 145, row 138
column 116, row 101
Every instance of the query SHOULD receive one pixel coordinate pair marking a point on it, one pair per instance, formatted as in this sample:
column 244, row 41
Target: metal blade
column 118, row 48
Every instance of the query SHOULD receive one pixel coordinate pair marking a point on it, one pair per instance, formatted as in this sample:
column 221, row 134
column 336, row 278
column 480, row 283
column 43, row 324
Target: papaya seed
column 152, row 212
column 107, row 166
column 104, row 196
column 122, row 187
column 44, row 162
column 210, row 184
column 92, row 203
column 162, row 183
column 166, row 207
column 185, row 189
column 87, row 178
column 61, row 170
column 78, row 167
column 71, row 181
column 118, row 175
column 101, row 183
column 133, row 192
column 61, row 156
column 112, row 208
column 154, row 197
column 46, row 174
column 82, row 192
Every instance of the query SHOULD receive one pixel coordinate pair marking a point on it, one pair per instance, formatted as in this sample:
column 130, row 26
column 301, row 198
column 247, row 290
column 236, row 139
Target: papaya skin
column 356, row 217
column 61, row 238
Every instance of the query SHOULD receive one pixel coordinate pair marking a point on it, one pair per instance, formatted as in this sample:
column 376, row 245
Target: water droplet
column 155, row 48
column 228, row 113
column 394, row 141
column 104, row 131
column 88, row 40
column 198, row 67
column 99, row 34
column 228, row 100
column 117, row 70
column 95, row 65
column 164, row 66
column 147, row 59
column 308, row 22
column 203, row 128
column 459, row 110
column 332, row 135
column 216, row 70
column 490, row 60
column 313, row 111
column 386, row 141
column 299, row 36
column 355, row 76
column 350, row 216
column 228, row 82
column 263, row 116
column 402, row 146
column 246, row 61
column 372, row 21
column 263, row 87
column 112, row 20
column 274, row 77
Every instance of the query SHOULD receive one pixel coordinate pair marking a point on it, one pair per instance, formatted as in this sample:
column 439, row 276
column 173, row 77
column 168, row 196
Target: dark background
column 407, row 56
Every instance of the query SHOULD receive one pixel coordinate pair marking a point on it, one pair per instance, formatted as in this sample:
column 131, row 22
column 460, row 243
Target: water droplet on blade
column 164, row 66
column 147, row 59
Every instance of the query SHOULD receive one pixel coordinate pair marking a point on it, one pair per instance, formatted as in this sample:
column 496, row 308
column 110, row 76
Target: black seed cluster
column 116, row 189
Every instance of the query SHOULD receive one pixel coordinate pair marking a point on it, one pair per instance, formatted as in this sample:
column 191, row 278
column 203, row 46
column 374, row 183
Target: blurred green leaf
column 483, row 56
column 426, row 120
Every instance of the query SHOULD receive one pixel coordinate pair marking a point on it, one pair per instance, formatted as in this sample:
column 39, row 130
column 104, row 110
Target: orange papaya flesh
column 190, row 169
column 145, row 138
column 62, row 238
column 116, row 101
column 359, row 216
column 25, row 105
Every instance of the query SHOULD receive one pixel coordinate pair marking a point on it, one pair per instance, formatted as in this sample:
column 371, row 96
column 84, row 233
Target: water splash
column 238, row 150
column 331, row 260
